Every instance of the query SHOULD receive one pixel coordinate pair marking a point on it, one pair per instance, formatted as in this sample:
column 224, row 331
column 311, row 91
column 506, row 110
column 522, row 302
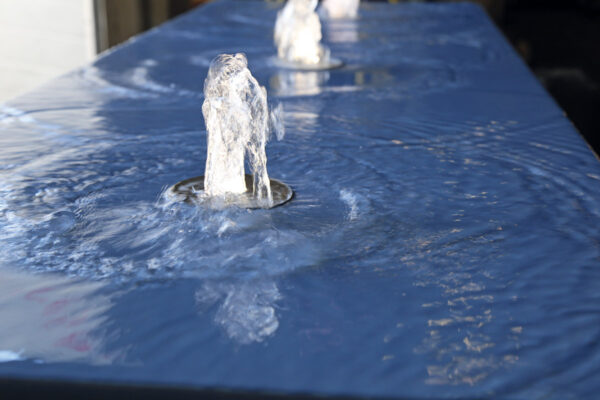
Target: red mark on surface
column 75, row 341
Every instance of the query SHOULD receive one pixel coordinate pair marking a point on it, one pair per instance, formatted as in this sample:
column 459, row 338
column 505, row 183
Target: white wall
column 41, row 39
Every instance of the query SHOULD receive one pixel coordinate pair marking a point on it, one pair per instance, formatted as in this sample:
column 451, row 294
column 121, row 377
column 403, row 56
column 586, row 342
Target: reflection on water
column 459, row 342
column 376, row 77
column 298, row 83
column 288, row 83
column 52, row 319
column 345, row 31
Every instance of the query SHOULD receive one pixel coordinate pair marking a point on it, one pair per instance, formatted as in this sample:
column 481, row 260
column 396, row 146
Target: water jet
column 339, row 9
column 298, row 38
column 238, row 124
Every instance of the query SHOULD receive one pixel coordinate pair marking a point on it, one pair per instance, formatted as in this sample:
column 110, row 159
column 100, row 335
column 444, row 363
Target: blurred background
column 41, row 39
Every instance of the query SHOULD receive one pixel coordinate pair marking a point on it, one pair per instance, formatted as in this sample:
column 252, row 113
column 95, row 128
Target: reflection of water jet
column 238, row 124
column 298, row 83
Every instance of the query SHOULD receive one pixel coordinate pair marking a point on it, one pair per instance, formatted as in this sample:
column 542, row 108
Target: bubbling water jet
column 298, row 37
column 238, row 125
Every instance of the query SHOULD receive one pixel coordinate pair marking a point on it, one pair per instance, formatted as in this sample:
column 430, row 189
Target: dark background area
column 558, row 39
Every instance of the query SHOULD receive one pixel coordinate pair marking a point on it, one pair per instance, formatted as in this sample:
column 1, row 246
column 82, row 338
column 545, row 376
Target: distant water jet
column 238, row 124
column 339, row 9
column 298, row 37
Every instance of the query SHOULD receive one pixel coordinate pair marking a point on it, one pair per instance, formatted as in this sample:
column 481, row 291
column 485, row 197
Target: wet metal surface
column 443, row 241
column 190, row 191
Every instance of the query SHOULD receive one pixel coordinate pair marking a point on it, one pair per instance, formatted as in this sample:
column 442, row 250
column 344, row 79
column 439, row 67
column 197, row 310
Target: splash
column 238, row 123
column 338, row 9
column 298, row 34
column 351, row 201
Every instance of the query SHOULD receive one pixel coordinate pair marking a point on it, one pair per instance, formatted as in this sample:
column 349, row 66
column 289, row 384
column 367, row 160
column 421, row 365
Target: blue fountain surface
column 443, row 241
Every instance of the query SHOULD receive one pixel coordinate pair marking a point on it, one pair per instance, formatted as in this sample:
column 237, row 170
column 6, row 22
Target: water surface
column 443, row 240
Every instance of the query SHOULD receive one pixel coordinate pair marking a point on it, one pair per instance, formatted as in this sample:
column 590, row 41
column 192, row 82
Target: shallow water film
column 443, row 240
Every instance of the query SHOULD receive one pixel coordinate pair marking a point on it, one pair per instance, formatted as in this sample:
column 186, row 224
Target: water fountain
column 238, row 123
column 444, row 245
column 298, row 38
column 339, row 9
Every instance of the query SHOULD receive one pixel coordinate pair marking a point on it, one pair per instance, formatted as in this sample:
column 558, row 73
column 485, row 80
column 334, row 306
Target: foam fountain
column 298, row 37
column 339, row 9
column 238, row 124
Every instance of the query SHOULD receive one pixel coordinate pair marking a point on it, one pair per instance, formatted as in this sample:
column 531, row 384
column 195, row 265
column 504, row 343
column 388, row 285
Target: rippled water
column 443, row 240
